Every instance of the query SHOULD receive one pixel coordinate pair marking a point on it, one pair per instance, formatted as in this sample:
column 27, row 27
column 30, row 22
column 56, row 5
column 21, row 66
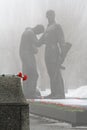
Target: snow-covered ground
column 80, row 92
column 69, row 102
column 74, row 97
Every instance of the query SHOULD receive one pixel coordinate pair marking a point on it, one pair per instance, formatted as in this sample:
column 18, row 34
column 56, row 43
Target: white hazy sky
column 15, row 15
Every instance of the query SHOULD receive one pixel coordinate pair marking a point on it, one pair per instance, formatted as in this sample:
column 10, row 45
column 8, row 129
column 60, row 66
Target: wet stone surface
column 42, row 123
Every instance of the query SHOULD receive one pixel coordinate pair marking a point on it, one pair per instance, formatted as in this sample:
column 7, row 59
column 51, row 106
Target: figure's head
column 38, row 29
column 50, row 14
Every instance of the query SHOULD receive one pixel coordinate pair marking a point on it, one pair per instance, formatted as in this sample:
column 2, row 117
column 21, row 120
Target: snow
column 46, row 92
column 72, row 102
column 80, row 92
column 74, row 97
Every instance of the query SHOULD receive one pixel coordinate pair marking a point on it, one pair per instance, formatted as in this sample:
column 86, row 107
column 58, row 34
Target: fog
column 15, row 15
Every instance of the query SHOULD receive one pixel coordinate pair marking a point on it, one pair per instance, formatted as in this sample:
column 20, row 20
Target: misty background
column 16, row 15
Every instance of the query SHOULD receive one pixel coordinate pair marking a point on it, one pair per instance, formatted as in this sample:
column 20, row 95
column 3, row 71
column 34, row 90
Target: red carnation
column 25, row 77
column 19, row 74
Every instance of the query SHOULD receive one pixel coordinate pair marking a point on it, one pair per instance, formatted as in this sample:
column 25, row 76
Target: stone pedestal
column 14, row 110
column 74, row 117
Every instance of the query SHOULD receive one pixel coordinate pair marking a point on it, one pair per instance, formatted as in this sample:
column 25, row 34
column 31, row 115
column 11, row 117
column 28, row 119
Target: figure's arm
column 61, row 38
column 42, row 40
column 61, row 42
column 64, row 46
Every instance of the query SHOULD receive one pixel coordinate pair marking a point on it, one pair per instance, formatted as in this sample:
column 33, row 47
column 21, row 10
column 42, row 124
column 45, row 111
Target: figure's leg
column 29, row 86
column 51, row 72
column 58, row 85
column 52, row 61
column 56, row 80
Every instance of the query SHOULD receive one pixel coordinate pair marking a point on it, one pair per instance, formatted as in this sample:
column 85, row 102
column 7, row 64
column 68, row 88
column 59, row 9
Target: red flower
column 25, row 77
column 19, row 74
